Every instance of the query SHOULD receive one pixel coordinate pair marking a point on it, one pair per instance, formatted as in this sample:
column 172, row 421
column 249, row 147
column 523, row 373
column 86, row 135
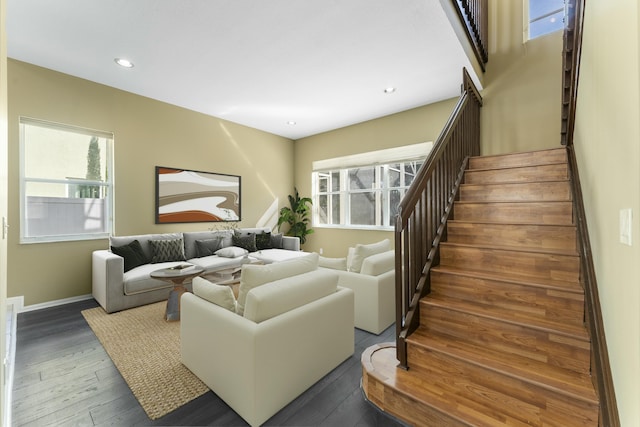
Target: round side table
column 177, row 278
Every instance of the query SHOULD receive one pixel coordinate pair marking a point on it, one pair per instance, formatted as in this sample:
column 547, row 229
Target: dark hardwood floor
column 63, row 377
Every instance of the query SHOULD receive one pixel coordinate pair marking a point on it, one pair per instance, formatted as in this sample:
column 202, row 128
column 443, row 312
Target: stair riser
column 557, row 172
column 535, row 265
column 405, row 407
column 513, row 401
column 529, row 236
column 553, row 213
column 550, row 304
column 520, row 192
column 542, row 346
column 519, row 159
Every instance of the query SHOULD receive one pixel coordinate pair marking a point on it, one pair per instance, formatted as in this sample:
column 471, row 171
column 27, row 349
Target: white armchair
column 373, row 283
column 293, row 331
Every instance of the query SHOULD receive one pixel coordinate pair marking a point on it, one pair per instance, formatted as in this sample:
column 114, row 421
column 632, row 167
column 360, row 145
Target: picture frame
column 185, row 195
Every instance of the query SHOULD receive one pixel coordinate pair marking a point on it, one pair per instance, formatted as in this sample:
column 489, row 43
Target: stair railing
column 423, row 212
column 601, row 369
column 474, row 15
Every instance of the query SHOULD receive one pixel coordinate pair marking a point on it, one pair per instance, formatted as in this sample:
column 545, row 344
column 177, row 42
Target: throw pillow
column 167, row 250
column 247, row 242
column 362, row 251
column 276, row 241
column 220, row 295
column 253, row 276
column 231, row 252
column 263, row 241
column 333, row 263
column 132, row 254
column 207, row 247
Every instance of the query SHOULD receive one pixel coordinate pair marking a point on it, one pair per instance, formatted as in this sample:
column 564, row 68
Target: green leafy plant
column 297, row 217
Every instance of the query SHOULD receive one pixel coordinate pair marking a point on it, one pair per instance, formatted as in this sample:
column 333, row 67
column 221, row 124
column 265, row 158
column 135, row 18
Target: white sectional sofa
column 290, row 326
column 369, row 270
column 122, row 281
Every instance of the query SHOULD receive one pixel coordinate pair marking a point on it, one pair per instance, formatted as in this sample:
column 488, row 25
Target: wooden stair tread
column 558, row 380
column 497, row 168
column 560, row 285
column 571, row 330
column 380, row 363
column 529, row 249
column 464, row 401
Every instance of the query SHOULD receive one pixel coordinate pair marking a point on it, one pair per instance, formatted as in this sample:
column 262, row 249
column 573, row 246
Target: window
column 357, row 194
column 66, row 188
column 545, row 16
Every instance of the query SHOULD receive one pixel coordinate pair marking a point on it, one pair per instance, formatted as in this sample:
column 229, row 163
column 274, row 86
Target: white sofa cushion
column 333, row 263
column 231, row 252
column 220, row 295
column 277, row 255
column 360, row 252
column 253, row 276
column 272, row 299
column 377, row 264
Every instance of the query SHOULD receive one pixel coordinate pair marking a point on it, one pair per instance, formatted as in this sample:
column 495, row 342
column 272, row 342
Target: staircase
column 502, row 339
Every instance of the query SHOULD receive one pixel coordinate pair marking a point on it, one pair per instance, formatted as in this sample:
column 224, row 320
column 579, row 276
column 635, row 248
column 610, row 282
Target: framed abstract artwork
column 184, row 195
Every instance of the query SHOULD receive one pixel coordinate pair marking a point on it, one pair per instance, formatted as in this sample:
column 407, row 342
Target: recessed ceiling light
column 390, row 90
column 291, row 123
column 124, row 62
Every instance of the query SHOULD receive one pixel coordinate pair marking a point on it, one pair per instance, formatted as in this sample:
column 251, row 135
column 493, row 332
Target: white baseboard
column 55, row 303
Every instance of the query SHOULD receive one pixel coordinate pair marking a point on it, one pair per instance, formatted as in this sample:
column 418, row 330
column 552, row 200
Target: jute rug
column 146, row 350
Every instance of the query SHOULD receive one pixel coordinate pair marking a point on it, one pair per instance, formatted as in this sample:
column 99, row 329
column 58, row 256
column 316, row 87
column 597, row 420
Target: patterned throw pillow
column 263, row 241
column 167, row 250
column 207, row 247
column 132, row 254
column 247, row 242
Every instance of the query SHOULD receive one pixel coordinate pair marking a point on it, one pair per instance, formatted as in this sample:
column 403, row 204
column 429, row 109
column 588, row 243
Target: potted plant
column 297, row 216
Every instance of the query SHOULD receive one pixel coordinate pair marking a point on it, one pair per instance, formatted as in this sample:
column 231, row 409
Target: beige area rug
column 146, row 350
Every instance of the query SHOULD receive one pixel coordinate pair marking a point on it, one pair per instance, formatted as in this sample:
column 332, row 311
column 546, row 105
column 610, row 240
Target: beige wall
column 522, row 85
column 147, row 133
column 607, row 144
column 410, row 127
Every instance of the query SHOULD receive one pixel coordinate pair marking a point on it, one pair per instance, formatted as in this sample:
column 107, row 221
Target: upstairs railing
column 572, row 46
column 424, row 210
column 474, row 15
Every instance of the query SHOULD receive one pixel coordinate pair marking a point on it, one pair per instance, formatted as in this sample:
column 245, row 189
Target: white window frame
column 380, row 161
column 108, row 185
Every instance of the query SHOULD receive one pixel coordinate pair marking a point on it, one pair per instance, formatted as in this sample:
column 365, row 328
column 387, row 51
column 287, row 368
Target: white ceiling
column 321, row 63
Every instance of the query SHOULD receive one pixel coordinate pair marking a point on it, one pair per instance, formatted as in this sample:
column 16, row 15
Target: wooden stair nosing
column 525, row 249
column 558, row 285
column 434, row 402
column 568, row 330
column 503, row 399
column 499, row 168
column 569, row 383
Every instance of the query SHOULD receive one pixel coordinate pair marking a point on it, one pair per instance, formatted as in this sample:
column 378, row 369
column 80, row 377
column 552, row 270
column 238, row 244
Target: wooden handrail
column 572, row 50
column 474, row 15
column 423, row 212
column 601, row 369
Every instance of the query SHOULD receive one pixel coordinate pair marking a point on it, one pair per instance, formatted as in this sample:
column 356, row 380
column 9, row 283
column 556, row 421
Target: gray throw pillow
column 167, row 250
column 207, row 247
column 276, row 241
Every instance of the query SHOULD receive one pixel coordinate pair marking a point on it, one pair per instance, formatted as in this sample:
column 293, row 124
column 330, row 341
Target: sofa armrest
column 291, row 243
column 107, row 279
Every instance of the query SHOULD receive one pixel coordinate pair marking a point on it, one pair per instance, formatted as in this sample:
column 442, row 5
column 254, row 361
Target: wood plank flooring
column 63, row 377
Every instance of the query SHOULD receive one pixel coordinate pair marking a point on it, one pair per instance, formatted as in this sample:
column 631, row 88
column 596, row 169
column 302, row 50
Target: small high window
column 66, row 186
column 545, row 16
